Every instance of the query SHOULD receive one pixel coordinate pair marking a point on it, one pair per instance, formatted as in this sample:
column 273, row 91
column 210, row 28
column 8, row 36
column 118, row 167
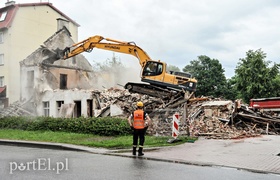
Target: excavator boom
column 158, row 82
column 111, row 45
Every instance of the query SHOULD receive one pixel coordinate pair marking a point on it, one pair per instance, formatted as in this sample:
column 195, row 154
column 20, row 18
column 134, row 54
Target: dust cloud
column 116, row 75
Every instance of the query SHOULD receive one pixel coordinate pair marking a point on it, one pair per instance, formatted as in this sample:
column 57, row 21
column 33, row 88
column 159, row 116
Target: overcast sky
column 178, row 31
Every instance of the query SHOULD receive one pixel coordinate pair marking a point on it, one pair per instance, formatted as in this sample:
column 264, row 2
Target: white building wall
column 68, row 96
column 31, row 26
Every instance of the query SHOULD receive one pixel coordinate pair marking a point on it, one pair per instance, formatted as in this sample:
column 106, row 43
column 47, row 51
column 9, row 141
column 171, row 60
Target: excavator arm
column 157, row 81
column 110, row 45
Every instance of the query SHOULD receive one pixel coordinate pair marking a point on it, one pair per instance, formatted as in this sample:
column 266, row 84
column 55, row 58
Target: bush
column 107, row 126
column 110, row 126
column 14, row 123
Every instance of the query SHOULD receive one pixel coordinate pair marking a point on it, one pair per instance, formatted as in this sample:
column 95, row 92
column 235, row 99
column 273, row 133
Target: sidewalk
column 260, row 154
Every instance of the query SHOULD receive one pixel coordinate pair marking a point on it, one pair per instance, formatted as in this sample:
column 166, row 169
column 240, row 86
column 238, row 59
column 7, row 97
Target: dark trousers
column 139, row 134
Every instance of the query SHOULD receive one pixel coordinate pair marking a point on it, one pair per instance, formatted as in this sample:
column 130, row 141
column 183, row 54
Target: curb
column 47, row 145
column 70, row 147
column 61, row 146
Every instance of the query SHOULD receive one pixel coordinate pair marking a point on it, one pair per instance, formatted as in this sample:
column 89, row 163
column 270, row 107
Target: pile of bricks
column 203, row 116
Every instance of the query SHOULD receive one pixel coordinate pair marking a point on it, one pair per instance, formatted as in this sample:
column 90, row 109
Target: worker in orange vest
column 141, row 121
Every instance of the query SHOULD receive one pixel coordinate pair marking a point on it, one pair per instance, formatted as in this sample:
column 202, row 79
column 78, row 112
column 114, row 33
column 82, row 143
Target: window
column 1, row 37
column 3, row 16
column 159, row 70
column 59, row 104
column 63, row 81
column 152, row 68
column 46, row 107
column 1, row 81
column 1, row 59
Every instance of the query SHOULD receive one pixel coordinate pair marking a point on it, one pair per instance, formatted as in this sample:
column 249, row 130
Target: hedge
column 107, row 126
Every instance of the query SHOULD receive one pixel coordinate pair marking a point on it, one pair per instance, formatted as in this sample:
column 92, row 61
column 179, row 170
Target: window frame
column 58, row 105
column 46, row 108
column 3, row 16
column 63, row 81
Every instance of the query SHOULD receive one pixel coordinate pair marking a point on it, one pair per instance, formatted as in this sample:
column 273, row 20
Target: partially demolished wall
column 41, row 82
column 212, row 118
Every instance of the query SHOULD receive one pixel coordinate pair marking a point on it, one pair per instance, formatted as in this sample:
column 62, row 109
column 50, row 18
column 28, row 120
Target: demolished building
column 48, row 86
column 67, row 88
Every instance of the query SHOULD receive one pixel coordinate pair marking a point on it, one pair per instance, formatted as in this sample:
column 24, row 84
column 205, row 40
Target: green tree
column 254, row 77
column 210, row 76
column 230, row 91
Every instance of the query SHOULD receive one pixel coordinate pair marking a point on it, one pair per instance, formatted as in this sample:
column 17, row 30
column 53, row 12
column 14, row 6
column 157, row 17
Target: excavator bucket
column 59, row 53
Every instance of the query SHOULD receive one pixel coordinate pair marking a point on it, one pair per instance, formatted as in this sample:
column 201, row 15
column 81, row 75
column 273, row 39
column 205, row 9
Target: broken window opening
column 78, row 109
column 58, row 105
column 46, row 107
column 63, row 81
column 89, row 108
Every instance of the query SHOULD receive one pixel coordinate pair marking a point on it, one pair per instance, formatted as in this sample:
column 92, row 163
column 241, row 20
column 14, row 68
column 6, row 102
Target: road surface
column 36, row 163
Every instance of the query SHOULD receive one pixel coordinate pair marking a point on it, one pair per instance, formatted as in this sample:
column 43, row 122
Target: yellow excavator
column 157, row 82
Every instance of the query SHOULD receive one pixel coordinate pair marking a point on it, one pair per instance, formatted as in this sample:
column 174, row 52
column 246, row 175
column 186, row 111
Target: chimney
column 9, row 3
column 62, row 22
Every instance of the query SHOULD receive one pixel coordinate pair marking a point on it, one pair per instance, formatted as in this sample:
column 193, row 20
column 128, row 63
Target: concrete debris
column 203, row 116
column 115, row 110
column 66, row 110
column 15, row 109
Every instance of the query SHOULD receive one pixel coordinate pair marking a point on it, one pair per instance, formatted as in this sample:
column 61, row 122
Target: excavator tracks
column 151, row 90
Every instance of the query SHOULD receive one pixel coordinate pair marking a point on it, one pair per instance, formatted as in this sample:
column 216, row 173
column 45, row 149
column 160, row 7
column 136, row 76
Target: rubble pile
column 203, row 116
column 15, row 109
column 235, row 121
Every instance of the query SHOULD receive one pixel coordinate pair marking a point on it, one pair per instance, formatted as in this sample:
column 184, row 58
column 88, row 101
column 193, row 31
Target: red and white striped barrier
column 175, row 127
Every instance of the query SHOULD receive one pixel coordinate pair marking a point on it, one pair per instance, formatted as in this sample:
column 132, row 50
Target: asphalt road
column 35, row 163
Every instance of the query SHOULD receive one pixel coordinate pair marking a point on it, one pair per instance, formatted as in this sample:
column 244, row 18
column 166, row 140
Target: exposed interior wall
column 31, row 26
column 41, row 79
column 75, row 78
column 51, row 84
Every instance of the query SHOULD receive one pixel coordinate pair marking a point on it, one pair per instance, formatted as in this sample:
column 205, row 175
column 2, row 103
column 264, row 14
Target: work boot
column 134, row 151
column 140, row 153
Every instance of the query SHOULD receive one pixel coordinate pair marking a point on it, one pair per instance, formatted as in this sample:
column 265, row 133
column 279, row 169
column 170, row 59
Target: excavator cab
column 152, row 68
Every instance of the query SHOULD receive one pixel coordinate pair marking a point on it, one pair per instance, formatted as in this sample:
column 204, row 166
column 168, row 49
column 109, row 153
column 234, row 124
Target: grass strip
column 109, row 142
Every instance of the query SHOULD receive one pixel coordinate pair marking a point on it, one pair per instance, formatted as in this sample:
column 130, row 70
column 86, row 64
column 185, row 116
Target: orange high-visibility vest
column 139, row 119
